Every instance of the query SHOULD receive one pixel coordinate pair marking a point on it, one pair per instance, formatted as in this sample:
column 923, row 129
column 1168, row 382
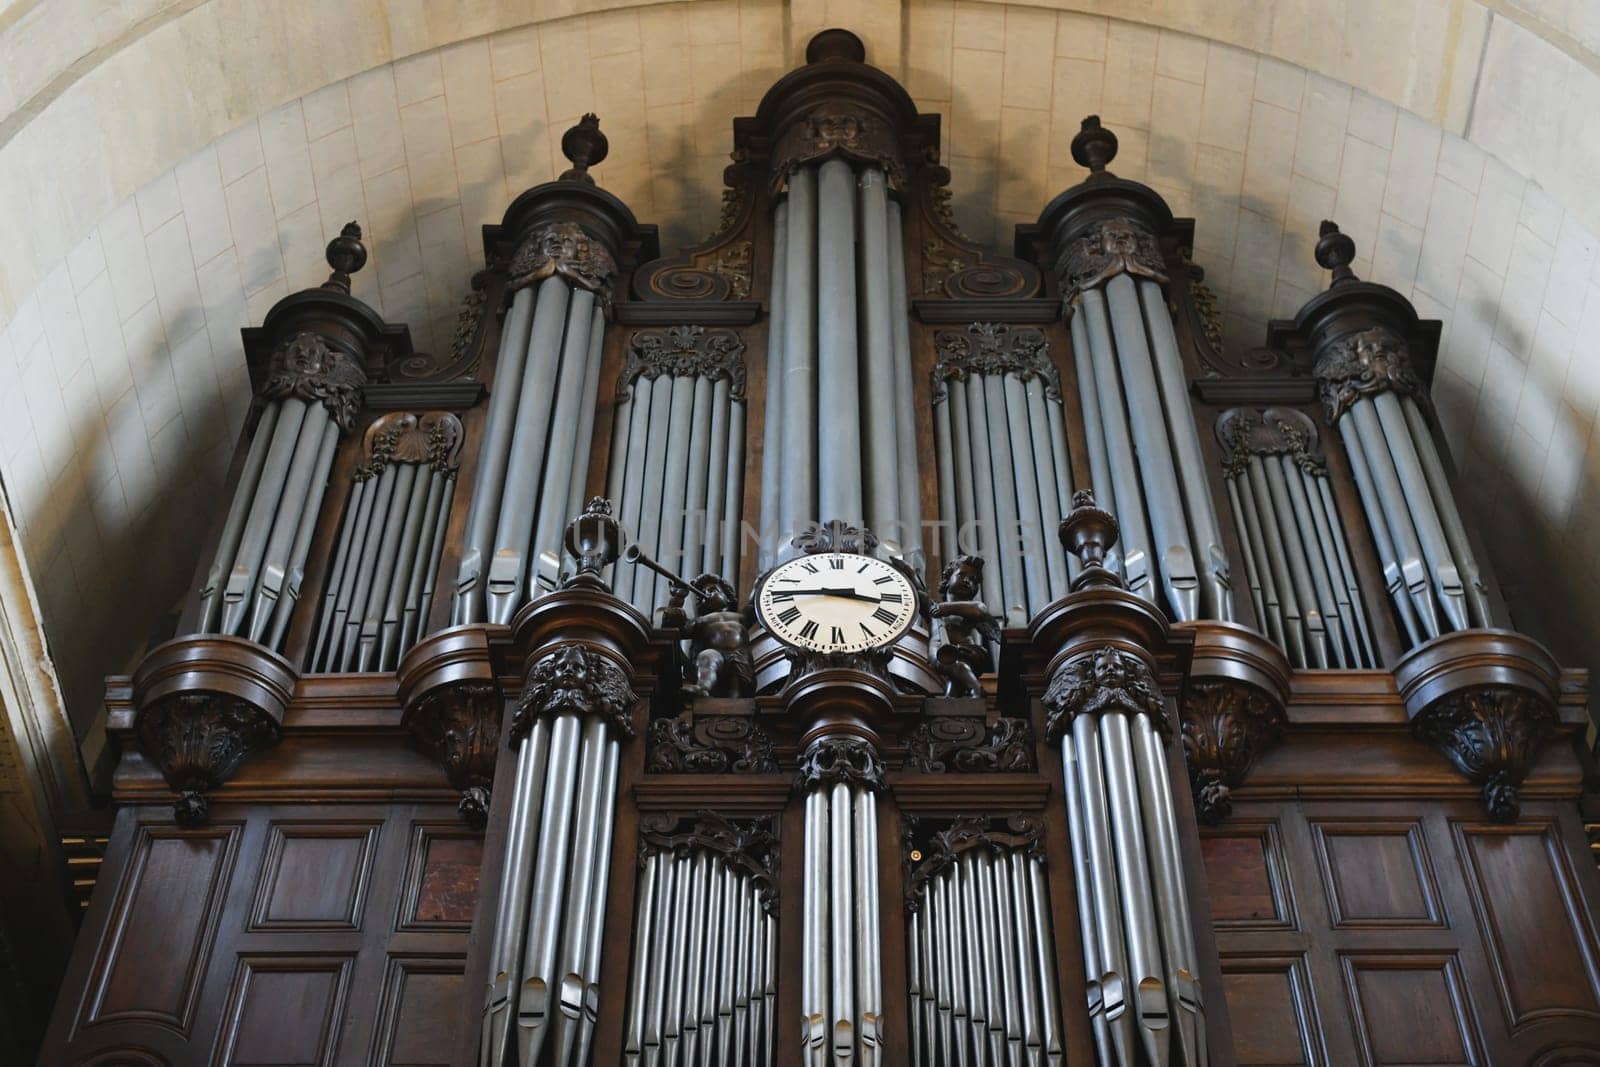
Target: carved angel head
column 574, row 680
column 962, row 578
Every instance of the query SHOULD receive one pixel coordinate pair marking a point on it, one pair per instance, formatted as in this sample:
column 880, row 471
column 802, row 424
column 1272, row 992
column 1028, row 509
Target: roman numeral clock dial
column 836, row 602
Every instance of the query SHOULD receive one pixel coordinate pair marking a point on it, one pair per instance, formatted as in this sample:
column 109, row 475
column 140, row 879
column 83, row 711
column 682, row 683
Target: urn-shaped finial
column 346, row 255
column 1089, row 532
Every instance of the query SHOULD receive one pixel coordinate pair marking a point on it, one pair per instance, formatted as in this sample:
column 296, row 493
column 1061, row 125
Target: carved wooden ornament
column 563, row 249
column 573, row 679
column 1363, row 364
column 1102, row 679
column 684, row 352
column 830, row 760
column 307, row 367
column 994, row 348
column 1225, row 725
column 1492, row 734
column 709, row 744
column 198, row 739
column 458, row 726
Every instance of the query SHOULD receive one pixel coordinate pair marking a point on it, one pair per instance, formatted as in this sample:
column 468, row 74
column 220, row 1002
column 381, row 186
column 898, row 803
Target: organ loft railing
column 840, row 633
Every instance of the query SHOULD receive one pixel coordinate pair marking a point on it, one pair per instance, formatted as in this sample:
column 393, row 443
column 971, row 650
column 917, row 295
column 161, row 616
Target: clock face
column 836, row 602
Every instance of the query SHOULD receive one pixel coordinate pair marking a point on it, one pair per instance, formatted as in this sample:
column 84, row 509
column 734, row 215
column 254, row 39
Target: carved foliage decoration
column 943, row 743
column 1108, row 248
column 831, row 131
column 458, row 725
column 709, row 744
column 1103, row 679
column 929, row 853
column 994, row 348
column 1492, row 734
column 830, row 760
column 685, row 352
column 1225, row 726
column 573, row 679
column 433, row 438
column 563, row 249
column 307, row 367
column 1362, row 364
column 198, row 739
column 722, row 274
column 748, row 846
column 836, row 535
column 1270, row 432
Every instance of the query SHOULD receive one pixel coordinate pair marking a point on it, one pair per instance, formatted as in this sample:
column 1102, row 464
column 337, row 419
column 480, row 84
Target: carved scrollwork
column 1270, row 432
column 1492, row 734
column 686, row 352
column 1100, row 680
column 835, row 535
column 748, row 846
column 1225, row 725
column 710, row 744
column 832, row 131
column 929, row 853
column 433, row 438
column 1108, row 248
column 307, row 367
column 830, row 760
column 457, row 725
column 943, row 743
column 198, row 739
column 563, row 249
column 1363, row 364
column 994, row 348
column 573, row 679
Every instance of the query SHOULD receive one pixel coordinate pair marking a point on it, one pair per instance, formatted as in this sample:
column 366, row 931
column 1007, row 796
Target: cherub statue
column 719, row 641
column 968, row 627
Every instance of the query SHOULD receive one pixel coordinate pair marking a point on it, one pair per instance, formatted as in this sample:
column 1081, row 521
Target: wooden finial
column 585, row 146
column 1094, row 146
column 1089, row 532
column 1335, row 251
column 346, row 255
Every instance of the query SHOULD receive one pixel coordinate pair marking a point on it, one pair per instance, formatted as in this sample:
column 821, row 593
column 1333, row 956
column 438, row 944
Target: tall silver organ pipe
column 379, row 588
column 1004, row 474
column 841, row 442
column 534, row 455
column 841, row 984
column 1297, row 563
column 677, row 457
column 545, row 957
column 312, row 393
column 980, row 957
column 705, row 966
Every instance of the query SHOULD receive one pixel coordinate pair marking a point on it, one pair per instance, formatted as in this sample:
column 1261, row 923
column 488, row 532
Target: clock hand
column 849, row 594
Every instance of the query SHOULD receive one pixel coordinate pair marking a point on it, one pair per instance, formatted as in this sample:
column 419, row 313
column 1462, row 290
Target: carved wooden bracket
column 709, row 744
column 453, row 709
column 1486, row 699
column 830, row 760
column 1232, row 712
column 206, row 703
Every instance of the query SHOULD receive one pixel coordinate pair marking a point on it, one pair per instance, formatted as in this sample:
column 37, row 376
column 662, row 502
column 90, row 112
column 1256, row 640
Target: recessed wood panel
column 1410, row 1008
column 421, row 1011
column 1274, row 1017
column 284, row 1011
column 1540, row 940
column 1246, row 877
column 314, row 876
column 441, row 878
column 151, row 964
column 1377, row 873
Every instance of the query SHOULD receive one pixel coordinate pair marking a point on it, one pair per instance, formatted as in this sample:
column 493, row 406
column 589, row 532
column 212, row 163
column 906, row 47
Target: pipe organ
column 836, row 642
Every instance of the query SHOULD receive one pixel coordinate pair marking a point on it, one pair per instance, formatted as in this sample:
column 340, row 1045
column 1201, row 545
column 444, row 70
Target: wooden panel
column 441, row 877
column 314, row 876
column 1539, row 937
column 1274, row 1016
column 421, row 1011
column 284, row 1011
column 1377, row 873
column 1410, row 1009
column 1248, row 877
column 153, row 957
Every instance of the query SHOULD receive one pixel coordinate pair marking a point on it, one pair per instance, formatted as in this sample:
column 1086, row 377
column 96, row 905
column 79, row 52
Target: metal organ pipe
column 905, row 411
column 772, row 442
column 797, row 498
column 879, row 405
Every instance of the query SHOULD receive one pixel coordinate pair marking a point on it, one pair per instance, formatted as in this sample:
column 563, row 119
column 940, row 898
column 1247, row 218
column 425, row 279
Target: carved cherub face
column 564, row 682
column 714, row 594
column 962, row 578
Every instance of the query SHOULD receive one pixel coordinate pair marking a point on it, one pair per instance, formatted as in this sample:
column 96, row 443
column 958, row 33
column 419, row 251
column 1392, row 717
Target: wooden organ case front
column 483, row 740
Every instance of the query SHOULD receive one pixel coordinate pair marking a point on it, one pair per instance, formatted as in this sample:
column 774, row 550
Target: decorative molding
column 748, row 846
column 1206, row 309
column 994, row 348
column 840, row 758
column 1110, row 247
column 830, row 131
column 733, row 263
column 1269, row 432
column 459, row 727
column 573, row 679
column 1100, row 680
column 709, row 744
column 1492, row 734
column 686, row 352
column 835, row 535
column 942, row 743
column 433, row 438
column 305, row 366
column 562, row 249
column 1364, row 364
column 928, row 854
column 198, row 739
column 1225, row 725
